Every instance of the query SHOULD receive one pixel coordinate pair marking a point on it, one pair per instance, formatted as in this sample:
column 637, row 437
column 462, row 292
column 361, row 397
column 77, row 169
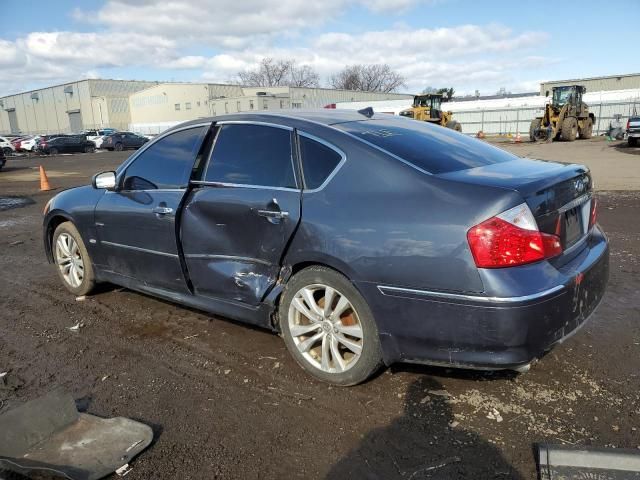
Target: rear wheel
column 53, row 151
column 89, row 149
column 328, row 327
column 7, row 151
column 569, row 129
column 119, row 147
column 632, row 141
column 534, row 128
column 587, row 129
column 454, row 125
column 72, row 259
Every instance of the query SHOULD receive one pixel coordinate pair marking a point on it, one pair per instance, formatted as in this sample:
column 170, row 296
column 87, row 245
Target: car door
column 136, row 224
column 239, row 219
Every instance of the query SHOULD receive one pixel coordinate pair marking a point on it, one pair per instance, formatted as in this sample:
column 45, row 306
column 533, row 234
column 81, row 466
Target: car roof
column 324, row 116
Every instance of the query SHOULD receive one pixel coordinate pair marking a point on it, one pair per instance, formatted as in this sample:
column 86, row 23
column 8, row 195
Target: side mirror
column 106, row 180
column 546, row 93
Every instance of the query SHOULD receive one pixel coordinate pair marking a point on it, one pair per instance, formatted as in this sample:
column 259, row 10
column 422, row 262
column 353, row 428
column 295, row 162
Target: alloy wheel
column 325, row 328
column 69, row 260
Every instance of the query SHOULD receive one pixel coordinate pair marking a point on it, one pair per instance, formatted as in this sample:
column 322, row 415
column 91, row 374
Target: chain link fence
column 504, row 121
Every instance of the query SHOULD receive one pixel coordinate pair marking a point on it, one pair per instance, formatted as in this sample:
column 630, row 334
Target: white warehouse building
column 164, row 105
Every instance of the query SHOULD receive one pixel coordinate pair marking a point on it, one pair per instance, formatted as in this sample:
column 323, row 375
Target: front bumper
column 492, row 332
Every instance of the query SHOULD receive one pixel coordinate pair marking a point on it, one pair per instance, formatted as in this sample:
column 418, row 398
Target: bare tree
column 280, row 73
column 368, row 78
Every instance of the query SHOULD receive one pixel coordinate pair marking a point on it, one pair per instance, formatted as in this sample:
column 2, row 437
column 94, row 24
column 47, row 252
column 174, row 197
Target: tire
column 110, row 149
column 533, row 128
column 632, row 141
column 118, row 147
column 53, row 151
column 79, row 281
column 569, row 129
column 89, row 149
column 454, row 125
column 353, row 367
column 7, row 151
column 587, row 131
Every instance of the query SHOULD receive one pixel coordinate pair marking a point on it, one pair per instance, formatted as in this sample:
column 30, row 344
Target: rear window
column 430, row 147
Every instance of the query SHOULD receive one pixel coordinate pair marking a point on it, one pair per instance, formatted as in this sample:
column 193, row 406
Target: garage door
column 75, row 121
column 13, row 121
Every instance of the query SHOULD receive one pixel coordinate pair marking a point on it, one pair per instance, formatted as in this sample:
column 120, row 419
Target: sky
column 464, row 44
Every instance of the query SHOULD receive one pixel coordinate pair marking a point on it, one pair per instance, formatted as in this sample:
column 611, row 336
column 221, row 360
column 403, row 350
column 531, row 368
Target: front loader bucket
column 561, row 462
column 49, row 435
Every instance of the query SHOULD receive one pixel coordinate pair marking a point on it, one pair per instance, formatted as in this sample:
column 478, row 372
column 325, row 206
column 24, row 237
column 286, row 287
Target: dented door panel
column 231, row 249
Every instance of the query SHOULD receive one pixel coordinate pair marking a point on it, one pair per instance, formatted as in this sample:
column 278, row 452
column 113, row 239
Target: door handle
column 272, row 214
column 162, row 210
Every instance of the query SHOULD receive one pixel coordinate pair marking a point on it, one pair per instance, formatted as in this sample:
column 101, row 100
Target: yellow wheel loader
column 566, row 117
column 428, row 108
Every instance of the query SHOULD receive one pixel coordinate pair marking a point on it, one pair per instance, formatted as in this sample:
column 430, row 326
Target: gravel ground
column 226, row 400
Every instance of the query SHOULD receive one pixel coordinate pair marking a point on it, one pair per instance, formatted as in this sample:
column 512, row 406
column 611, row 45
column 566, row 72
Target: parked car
column 66, row 144
column 3, row 159
column 29, row 144
column 6, row 146
column 122, row 141
column 633, row 130
column 17, row 142
column 363, row 240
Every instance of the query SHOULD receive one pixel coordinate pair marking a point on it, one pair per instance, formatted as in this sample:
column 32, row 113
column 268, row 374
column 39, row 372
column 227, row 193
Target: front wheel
column 53, row 151
column 119, row 147
column 569, row 129
column 328, row 327
column 7, row 151
column 72, row 259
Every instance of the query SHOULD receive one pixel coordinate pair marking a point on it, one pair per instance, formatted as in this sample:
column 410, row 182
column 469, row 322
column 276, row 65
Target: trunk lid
column 558, row 194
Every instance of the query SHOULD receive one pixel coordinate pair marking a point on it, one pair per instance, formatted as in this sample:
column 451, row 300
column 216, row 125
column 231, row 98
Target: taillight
column 511, row 238
column 628, row 123
column 593, row 214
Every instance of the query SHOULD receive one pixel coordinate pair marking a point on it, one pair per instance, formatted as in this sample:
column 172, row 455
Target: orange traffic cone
column 44, row 180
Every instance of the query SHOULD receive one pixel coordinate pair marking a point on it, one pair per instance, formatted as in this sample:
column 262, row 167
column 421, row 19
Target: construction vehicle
column 428, row 108
column 565, row 117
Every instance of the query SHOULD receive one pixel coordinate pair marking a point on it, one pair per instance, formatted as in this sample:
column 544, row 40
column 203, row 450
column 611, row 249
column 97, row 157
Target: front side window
column 252, row 155
column 167, row 163
column 318, row 161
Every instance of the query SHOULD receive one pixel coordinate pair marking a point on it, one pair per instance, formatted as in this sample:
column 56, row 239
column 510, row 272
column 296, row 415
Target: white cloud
column 165, row 34
column 467, row 57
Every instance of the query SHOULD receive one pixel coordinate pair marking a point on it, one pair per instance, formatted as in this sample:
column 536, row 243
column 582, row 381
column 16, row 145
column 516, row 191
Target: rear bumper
column 492, row 332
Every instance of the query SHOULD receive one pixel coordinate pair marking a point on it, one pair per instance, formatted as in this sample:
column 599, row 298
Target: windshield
column 562, row 95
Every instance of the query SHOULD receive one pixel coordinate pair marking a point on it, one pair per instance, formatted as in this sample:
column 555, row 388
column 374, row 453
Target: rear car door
column 241, row 215
column 136, row 224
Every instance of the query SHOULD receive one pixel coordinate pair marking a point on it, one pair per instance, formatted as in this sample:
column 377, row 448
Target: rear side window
column 432, row 148
column 318, row 161
column 167, row 163
column 252, row 155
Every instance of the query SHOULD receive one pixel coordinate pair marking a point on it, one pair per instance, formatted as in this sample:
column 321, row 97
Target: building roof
column 604, row 77
column 79, row 81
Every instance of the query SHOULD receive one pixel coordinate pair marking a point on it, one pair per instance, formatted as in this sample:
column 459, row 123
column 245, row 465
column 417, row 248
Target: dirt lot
column 227, row 401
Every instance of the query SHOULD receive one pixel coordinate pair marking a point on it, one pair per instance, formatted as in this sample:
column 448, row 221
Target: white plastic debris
column 81, row 298
column 123, row 470
column 76, row 327
column 494, row 414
